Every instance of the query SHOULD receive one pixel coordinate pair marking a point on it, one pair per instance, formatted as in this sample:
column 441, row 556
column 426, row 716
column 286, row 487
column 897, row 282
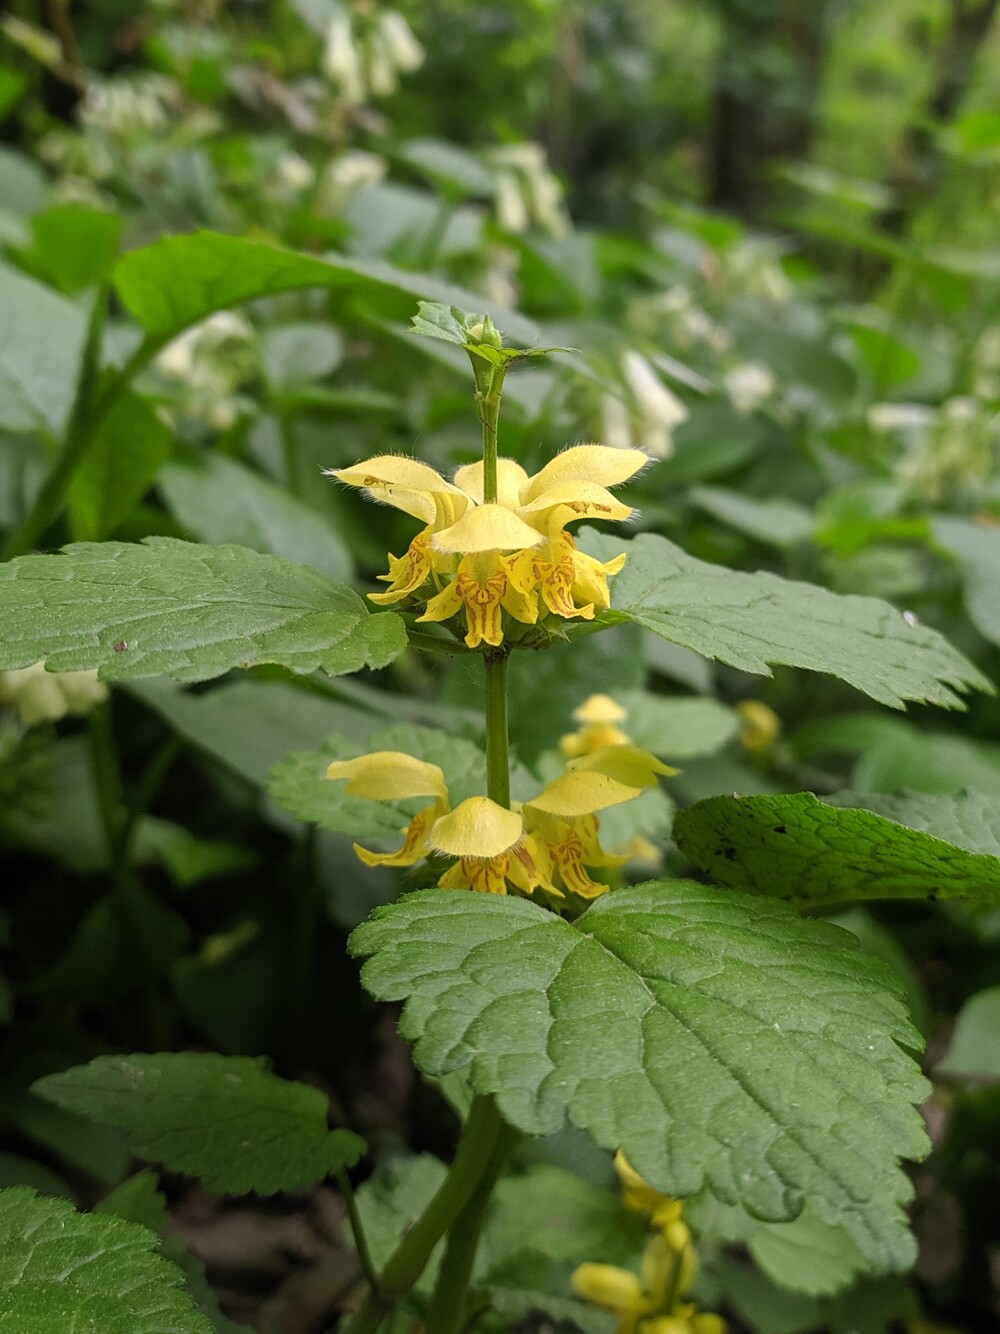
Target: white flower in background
column 211, row 360
column 345, row 174
column 616, row 426
column 660, row 411
column 688, row 323
column 525, row 190
column 954, row 445
column 885, row 417
column 499, row 280
column 749, row 386
column 364, row 57
column 40, row 696
column 293, row 173
column 753, row 268
column 653, row 416
column 342, row 61
column 124, row 106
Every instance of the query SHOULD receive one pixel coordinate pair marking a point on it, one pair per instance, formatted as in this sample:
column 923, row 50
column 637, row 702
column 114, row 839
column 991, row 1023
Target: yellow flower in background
column 665, row 1213
column 513, row 555
column 545, row 845
column 653, row 1302
column 598, row 716
column 760, row 726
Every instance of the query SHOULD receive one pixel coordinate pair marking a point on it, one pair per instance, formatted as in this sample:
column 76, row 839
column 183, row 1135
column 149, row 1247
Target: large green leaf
column 123, row 457
column 866, row 847
column 62, row 1271
column 219, row 500
column 224, row 1119
column 41, row 345
column 976, row 548
column 140, row 1200
column 299, row 783
column 720, row 1040
column 975, row 1046
column 180, row 279
column 752, row 620
column 177, row 609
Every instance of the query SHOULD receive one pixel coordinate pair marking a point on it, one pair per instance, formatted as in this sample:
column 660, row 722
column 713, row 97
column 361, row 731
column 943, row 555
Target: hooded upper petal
column 477, row 827
column 390, row 775
column 406, row 483
column 487, row 528
column 511, row 479
column 597, row 464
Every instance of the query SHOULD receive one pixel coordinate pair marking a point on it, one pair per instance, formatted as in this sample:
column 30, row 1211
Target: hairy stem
column 447, row 1314
column 410, row 1257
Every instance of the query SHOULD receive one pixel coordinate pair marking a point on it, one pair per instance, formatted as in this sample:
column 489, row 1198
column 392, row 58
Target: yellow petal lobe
column 477, row 827
column 607, row 1285
column 580, row 793
column 390, row 775
column 487, row 528
column 600, row 709
column 587, row 463
column 625, row 764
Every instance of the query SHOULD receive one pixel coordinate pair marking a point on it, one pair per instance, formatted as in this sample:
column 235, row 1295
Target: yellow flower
column 760, row 726
column 650, row 1304
column 544, row 846
column 598, row 717
column 512, row 555
column 615, row 1289
column 392, row 775
column 665, row 1213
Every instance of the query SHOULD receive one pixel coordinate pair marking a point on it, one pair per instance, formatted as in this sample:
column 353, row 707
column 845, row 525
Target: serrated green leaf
column 178, row 609
column 795, row 846
column 60, row 1270
column 975, row 1045
column 249, row 725
column 180, row 279
column 123, row 457
column 299, row 784
column 41, row 345
column 752, row 620
column 75, row 246
column 721, row 1041
column 217, row 499
column 806, row 1255
column 139, row 1200
column 224, row 1119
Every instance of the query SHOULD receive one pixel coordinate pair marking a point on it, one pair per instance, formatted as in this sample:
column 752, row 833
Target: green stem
column 86, row 416
column 107, row 782
column 357, row 1230
column 448, row 1304
column 489, row 389
column 449, row 1299
column 497, row 756
column 410, row 1257
column 146, row 789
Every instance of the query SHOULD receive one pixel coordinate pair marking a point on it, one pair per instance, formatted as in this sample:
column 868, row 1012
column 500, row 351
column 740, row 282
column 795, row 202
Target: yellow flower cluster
column 599, row 717
column 650, row 1303
column 511, row 556
column 547, row 843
